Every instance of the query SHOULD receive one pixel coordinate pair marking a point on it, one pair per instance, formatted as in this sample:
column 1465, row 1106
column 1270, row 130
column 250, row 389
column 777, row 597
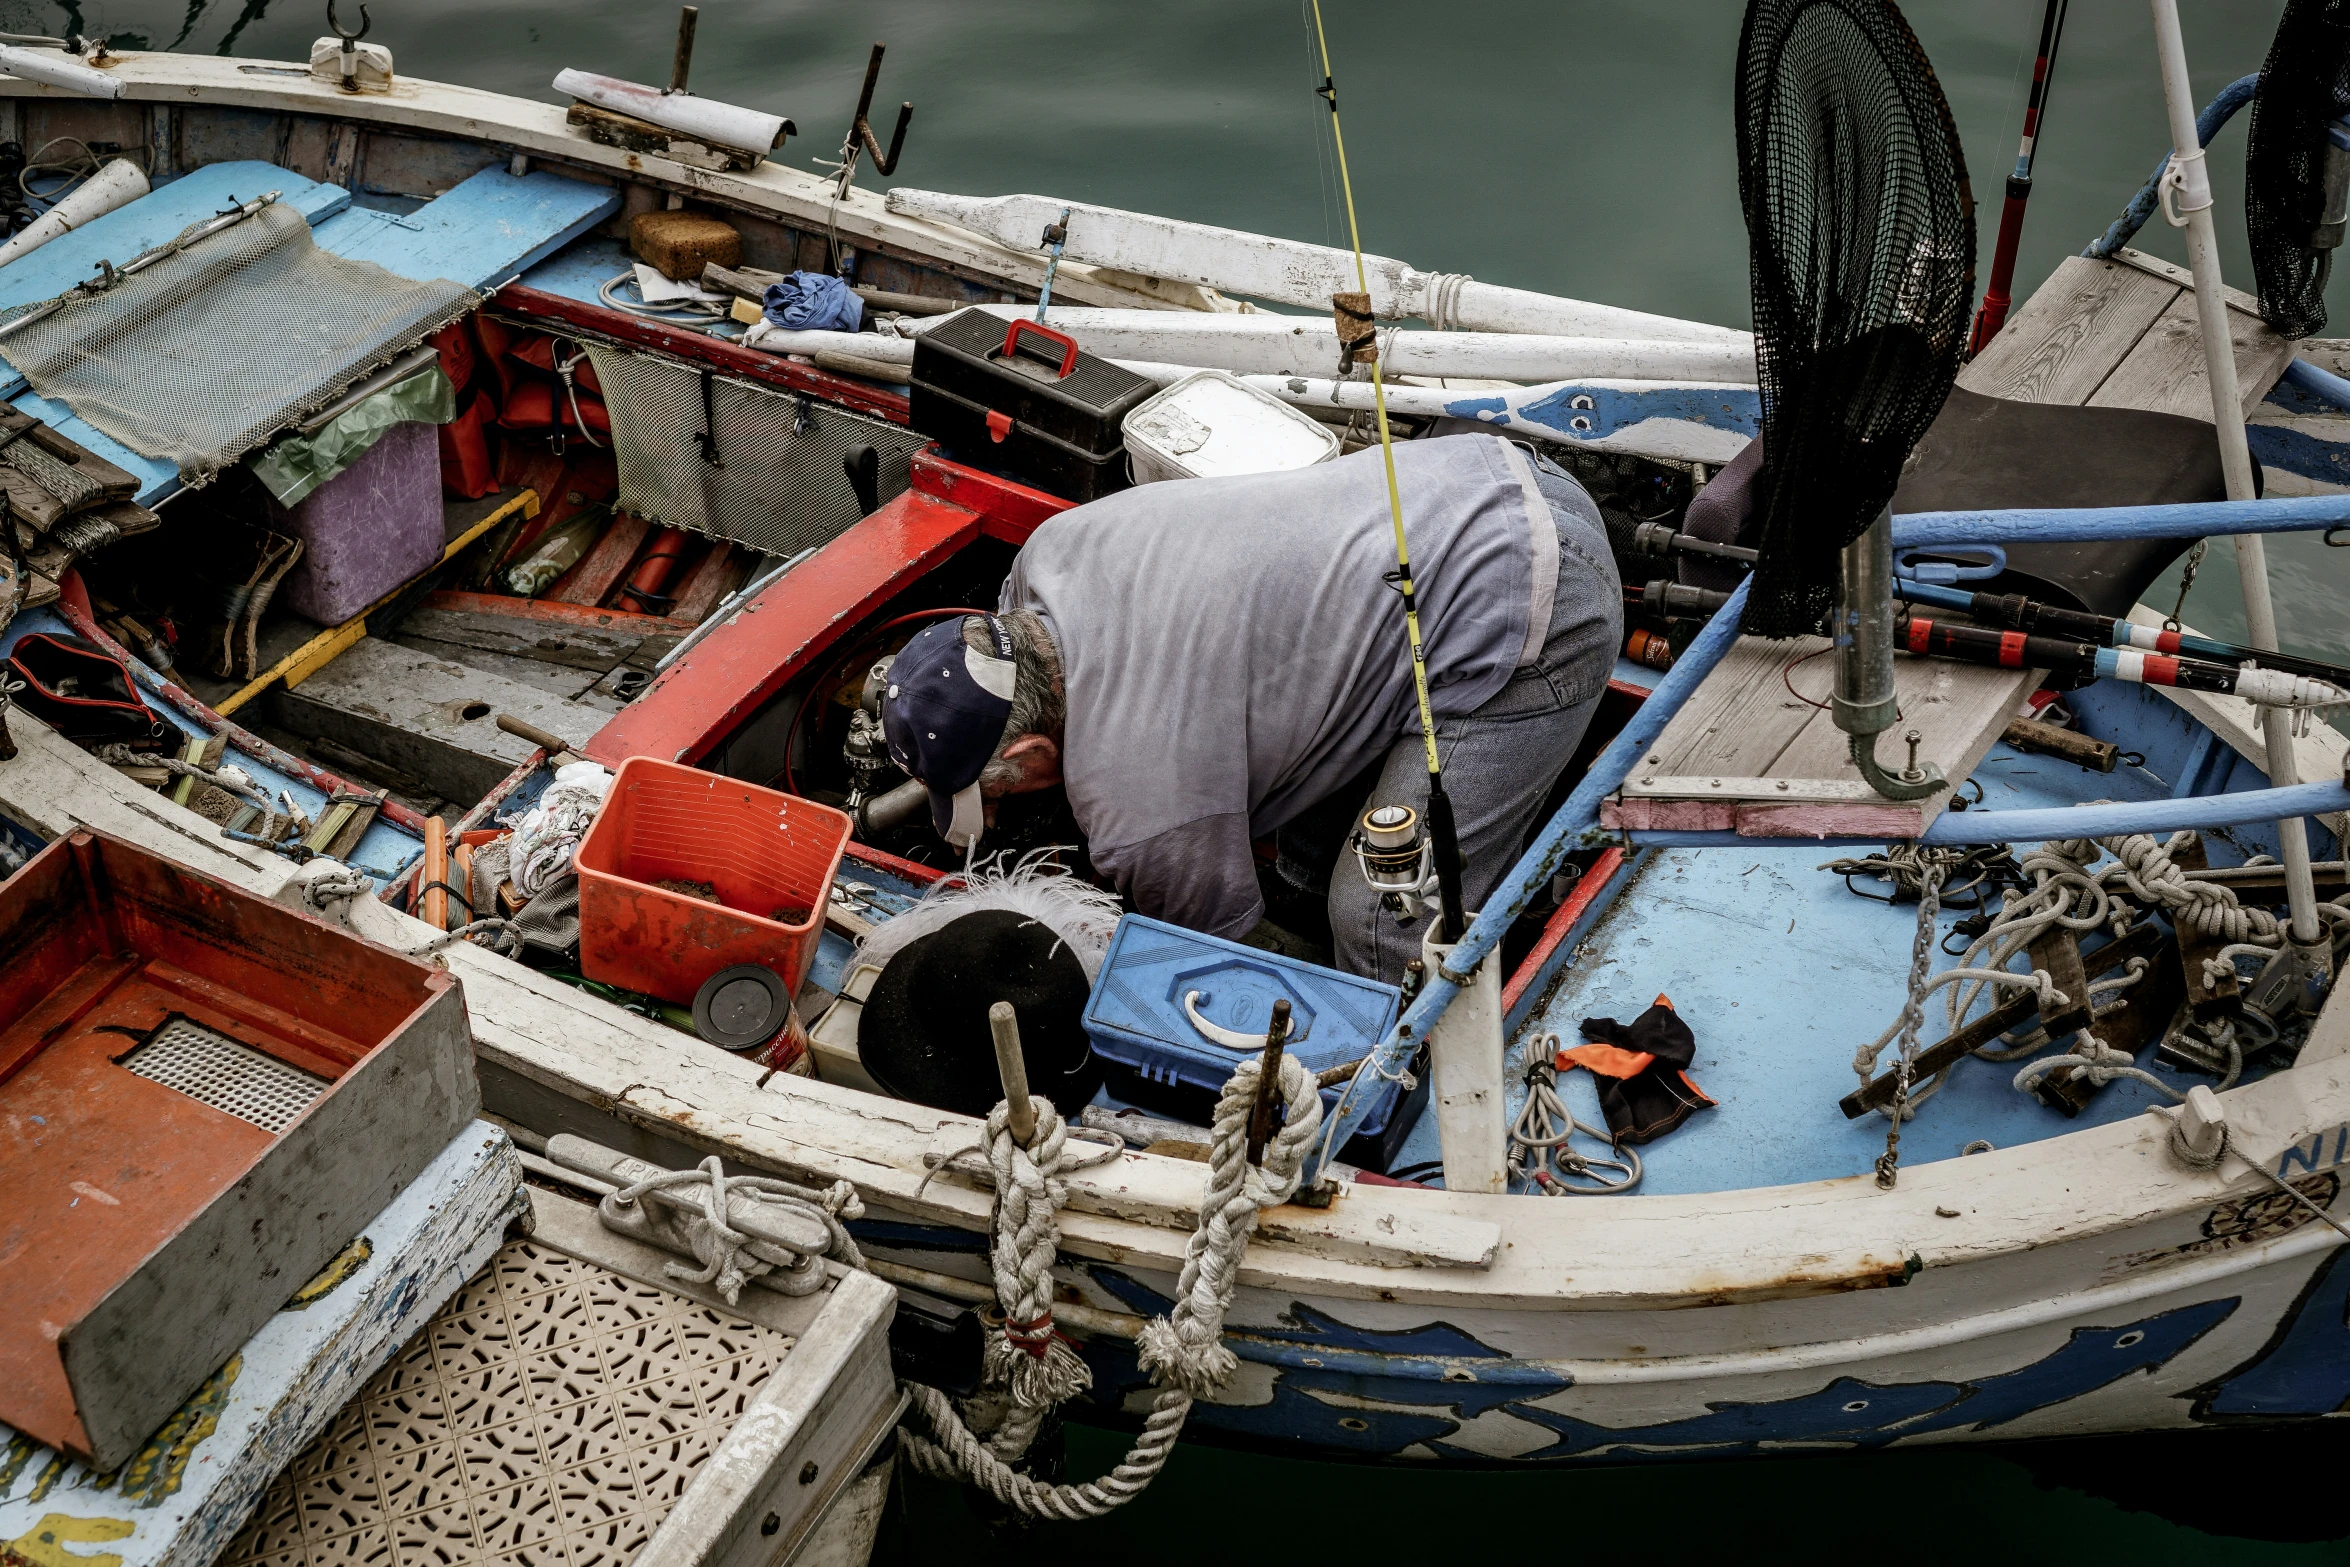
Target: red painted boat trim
column 212, row 723
column 880, row 861
column 1561, row 923
column 728, row 675
column 554, row 310
column 1008, row 509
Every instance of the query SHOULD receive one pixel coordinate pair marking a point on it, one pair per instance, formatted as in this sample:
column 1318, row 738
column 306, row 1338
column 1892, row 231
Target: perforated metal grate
column 219, row 1071
column 549, row 1416
column 778, row 486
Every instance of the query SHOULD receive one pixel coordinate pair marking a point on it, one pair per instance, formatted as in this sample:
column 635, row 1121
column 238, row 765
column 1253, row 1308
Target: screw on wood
column 1260, row 1118
column 1012, row 1067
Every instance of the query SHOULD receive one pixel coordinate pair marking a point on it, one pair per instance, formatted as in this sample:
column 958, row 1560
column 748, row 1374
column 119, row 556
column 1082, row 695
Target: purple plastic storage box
column 367, row 530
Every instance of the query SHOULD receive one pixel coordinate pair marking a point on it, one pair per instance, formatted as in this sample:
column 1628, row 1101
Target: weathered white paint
column 116, row 182
column 1264, row 344
column 724, row 124
column 291, row 1378
column 62, row 71
column 539, row 131
column 1290, row 272
column 1465, row 1051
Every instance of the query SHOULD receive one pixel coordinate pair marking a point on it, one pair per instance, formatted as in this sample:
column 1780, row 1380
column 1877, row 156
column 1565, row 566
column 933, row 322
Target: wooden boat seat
column 1750, row 754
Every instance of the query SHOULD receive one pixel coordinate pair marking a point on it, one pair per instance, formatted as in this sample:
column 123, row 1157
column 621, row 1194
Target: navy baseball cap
column 944, row 715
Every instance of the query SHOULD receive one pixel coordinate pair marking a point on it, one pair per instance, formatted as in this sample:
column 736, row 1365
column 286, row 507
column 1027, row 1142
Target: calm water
column 1578, row 147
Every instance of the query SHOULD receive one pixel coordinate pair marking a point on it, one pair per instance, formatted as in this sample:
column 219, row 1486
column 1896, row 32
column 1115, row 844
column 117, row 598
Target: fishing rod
column 2135, row 654
column 1358, row 337
column 2081, row 661
column 2017, row 613
column 1993, row 313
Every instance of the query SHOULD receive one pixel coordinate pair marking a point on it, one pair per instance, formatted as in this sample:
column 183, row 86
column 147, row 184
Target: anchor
column 350, row 43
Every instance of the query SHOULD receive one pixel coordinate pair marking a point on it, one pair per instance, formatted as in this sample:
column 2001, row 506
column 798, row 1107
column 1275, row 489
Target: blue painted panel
column 481, row 233
column 1782, row 973
column 580, row 269
column 382, row 854
column 156, row 217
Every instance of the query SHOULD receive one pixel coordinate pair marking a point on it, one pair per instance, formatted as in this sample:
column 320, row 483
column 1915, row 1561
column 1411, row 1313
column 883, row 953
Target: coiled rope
column 1183, row 1351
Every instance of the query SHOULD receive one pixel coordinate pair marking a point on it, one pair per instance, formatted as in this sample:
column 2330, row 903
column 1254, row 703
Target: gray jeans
column 1501, row 760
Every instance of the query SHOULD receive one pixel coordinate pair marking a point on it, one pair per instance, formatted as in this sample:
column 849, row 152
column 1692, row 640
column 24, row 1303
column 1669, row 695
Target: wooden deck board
column 1746, row 755
column 2068, row 337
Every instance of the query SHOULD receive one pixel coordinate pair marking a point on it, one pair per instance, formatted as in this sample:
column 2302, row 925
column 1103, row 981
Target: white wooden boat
column 1761, row 1293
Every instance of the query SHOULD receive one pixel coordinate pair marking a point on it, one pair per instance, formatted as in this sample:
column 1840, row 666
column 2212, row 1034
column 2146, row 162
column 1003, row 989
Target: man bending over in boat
column 1201, row 662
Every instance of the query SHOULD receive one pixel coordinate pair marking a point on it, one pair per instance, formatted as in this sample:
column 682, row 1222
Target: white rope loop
column 1183, row 1351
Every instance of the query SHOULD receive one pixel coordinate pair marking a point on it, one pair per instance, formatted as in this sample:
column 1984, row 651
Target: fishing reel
column 1397, row 858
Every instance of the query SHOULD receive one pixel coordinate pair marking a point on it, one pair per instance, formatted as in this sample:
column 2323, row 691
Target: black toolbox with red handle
column 1021, row 399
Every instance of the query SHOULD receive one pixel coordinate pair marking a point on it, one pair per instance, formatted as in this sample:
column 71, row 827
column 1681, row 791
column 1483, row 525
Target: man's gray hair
column 1040, row 703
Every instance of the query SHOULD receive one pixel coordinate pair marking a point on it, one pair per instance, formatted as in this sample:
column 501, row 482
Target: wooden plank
column 484, row 232
column 574, row 648
column 600, row 570
column 2165, row 372
column 1701, row 736
column 1957, row 709
column 2068, row 337
column 726, row 568
column 2172, row 272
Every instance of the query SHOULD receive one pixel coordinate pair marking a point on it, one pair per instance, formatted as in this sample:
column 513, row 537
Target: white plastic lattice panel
column 549, row 1416
column 214, row 1069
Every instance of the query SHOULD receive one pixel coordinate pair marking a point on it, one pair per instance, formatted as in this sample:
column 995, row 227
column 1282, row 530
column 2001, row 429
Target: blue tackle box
column 1175, row 1011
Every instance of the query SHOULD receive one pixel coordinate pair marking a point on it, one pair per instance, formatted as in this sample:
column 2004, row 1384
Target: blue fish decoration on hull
column 1866, row 1414
column 2305, row 1368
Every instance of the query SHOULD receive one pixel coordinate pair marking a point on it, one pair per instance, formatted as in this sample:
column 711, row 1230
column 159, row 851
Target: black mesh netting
column 1861, row 229
column 2304, row 87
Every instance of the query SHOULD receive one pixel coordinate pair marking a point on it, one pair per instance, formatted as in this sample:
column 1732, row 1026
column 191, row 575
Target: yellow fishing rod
column 1356, row 326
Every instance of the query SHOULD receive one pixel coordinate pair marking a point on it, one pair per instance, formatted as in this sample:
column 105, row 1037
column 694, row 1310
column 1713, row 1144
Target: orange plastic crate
column 769, row 857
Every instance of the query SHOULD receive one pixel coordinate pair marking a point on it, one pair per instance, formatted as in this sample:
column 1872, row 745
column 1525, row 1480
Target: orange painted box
column 768, row 857
column 204, row 1096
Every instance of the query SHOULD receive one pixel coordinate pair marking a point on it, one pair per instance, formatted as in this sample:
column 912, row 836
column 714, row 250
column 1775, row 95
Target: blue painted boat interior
column 383, row 853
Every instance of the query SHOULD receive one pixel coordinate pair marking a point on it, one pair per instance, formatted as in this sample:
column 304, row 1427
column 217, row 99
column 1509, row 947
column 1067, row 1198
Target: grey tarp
column 208, row 353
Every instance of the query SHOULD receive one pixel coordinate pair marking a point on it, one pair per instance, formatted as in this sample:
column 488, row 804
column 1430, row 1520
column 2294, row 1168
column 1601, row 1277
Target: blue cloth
column 813, row 302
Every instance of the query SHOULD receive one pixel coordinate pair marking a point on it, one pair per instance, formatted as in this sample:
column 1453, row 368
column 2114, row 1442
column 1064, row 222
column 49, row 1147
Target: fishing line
column 1450, row 919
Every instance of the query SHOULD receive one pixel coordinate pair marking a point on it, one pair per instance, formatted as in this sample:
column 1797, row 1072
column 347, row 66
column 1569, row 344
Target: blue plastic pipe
column 2096, row 525
column 2318, row 383
column 1562, row 834
column 2244, row 809
column 2215, row 114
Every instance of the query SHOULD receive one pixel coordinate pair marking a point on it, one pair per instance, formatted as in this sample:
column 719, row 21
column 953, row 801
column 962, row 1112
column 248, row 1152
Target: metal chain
column 2187, row 583
column 1913, row 1013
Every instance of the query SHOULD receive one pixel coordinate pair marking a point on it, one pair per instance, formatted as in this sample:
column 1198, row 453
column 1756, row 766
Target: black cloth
column 1726, row 511
column 1987, row 453
column 80, row 691
column 1657, row 1096
column 924, row 1036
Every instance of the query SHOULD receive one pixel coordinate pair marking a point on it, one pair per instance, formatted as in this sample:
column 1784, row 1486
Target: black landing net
column 2304, row 87
column 1861, row 230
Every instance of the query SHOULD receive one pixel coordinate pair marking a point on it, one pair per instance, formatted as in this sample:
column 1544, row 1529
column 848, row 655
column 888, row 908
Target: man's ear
column 1039, row 759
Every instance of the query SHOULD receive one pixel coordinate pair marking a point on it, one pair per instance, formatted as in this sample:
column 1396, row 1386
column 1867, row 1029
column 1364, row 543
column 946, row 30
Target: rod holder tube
column 1863, row 702
column 2194, row 204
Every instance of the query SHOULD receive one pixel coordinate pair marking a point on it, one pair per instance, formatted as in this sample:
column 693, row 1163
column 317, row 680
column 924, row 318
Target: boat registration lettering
column 2318, row 1151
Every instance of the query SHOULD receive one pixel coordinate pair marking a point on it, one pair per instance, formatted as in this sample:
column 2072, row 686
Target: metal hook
column 861, row 138
column 350, row 52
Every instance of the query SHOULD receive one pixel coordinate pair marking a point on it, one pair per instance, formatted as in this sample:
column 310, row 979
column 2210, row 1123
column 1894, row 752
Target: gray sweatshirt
column 1234, row 648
